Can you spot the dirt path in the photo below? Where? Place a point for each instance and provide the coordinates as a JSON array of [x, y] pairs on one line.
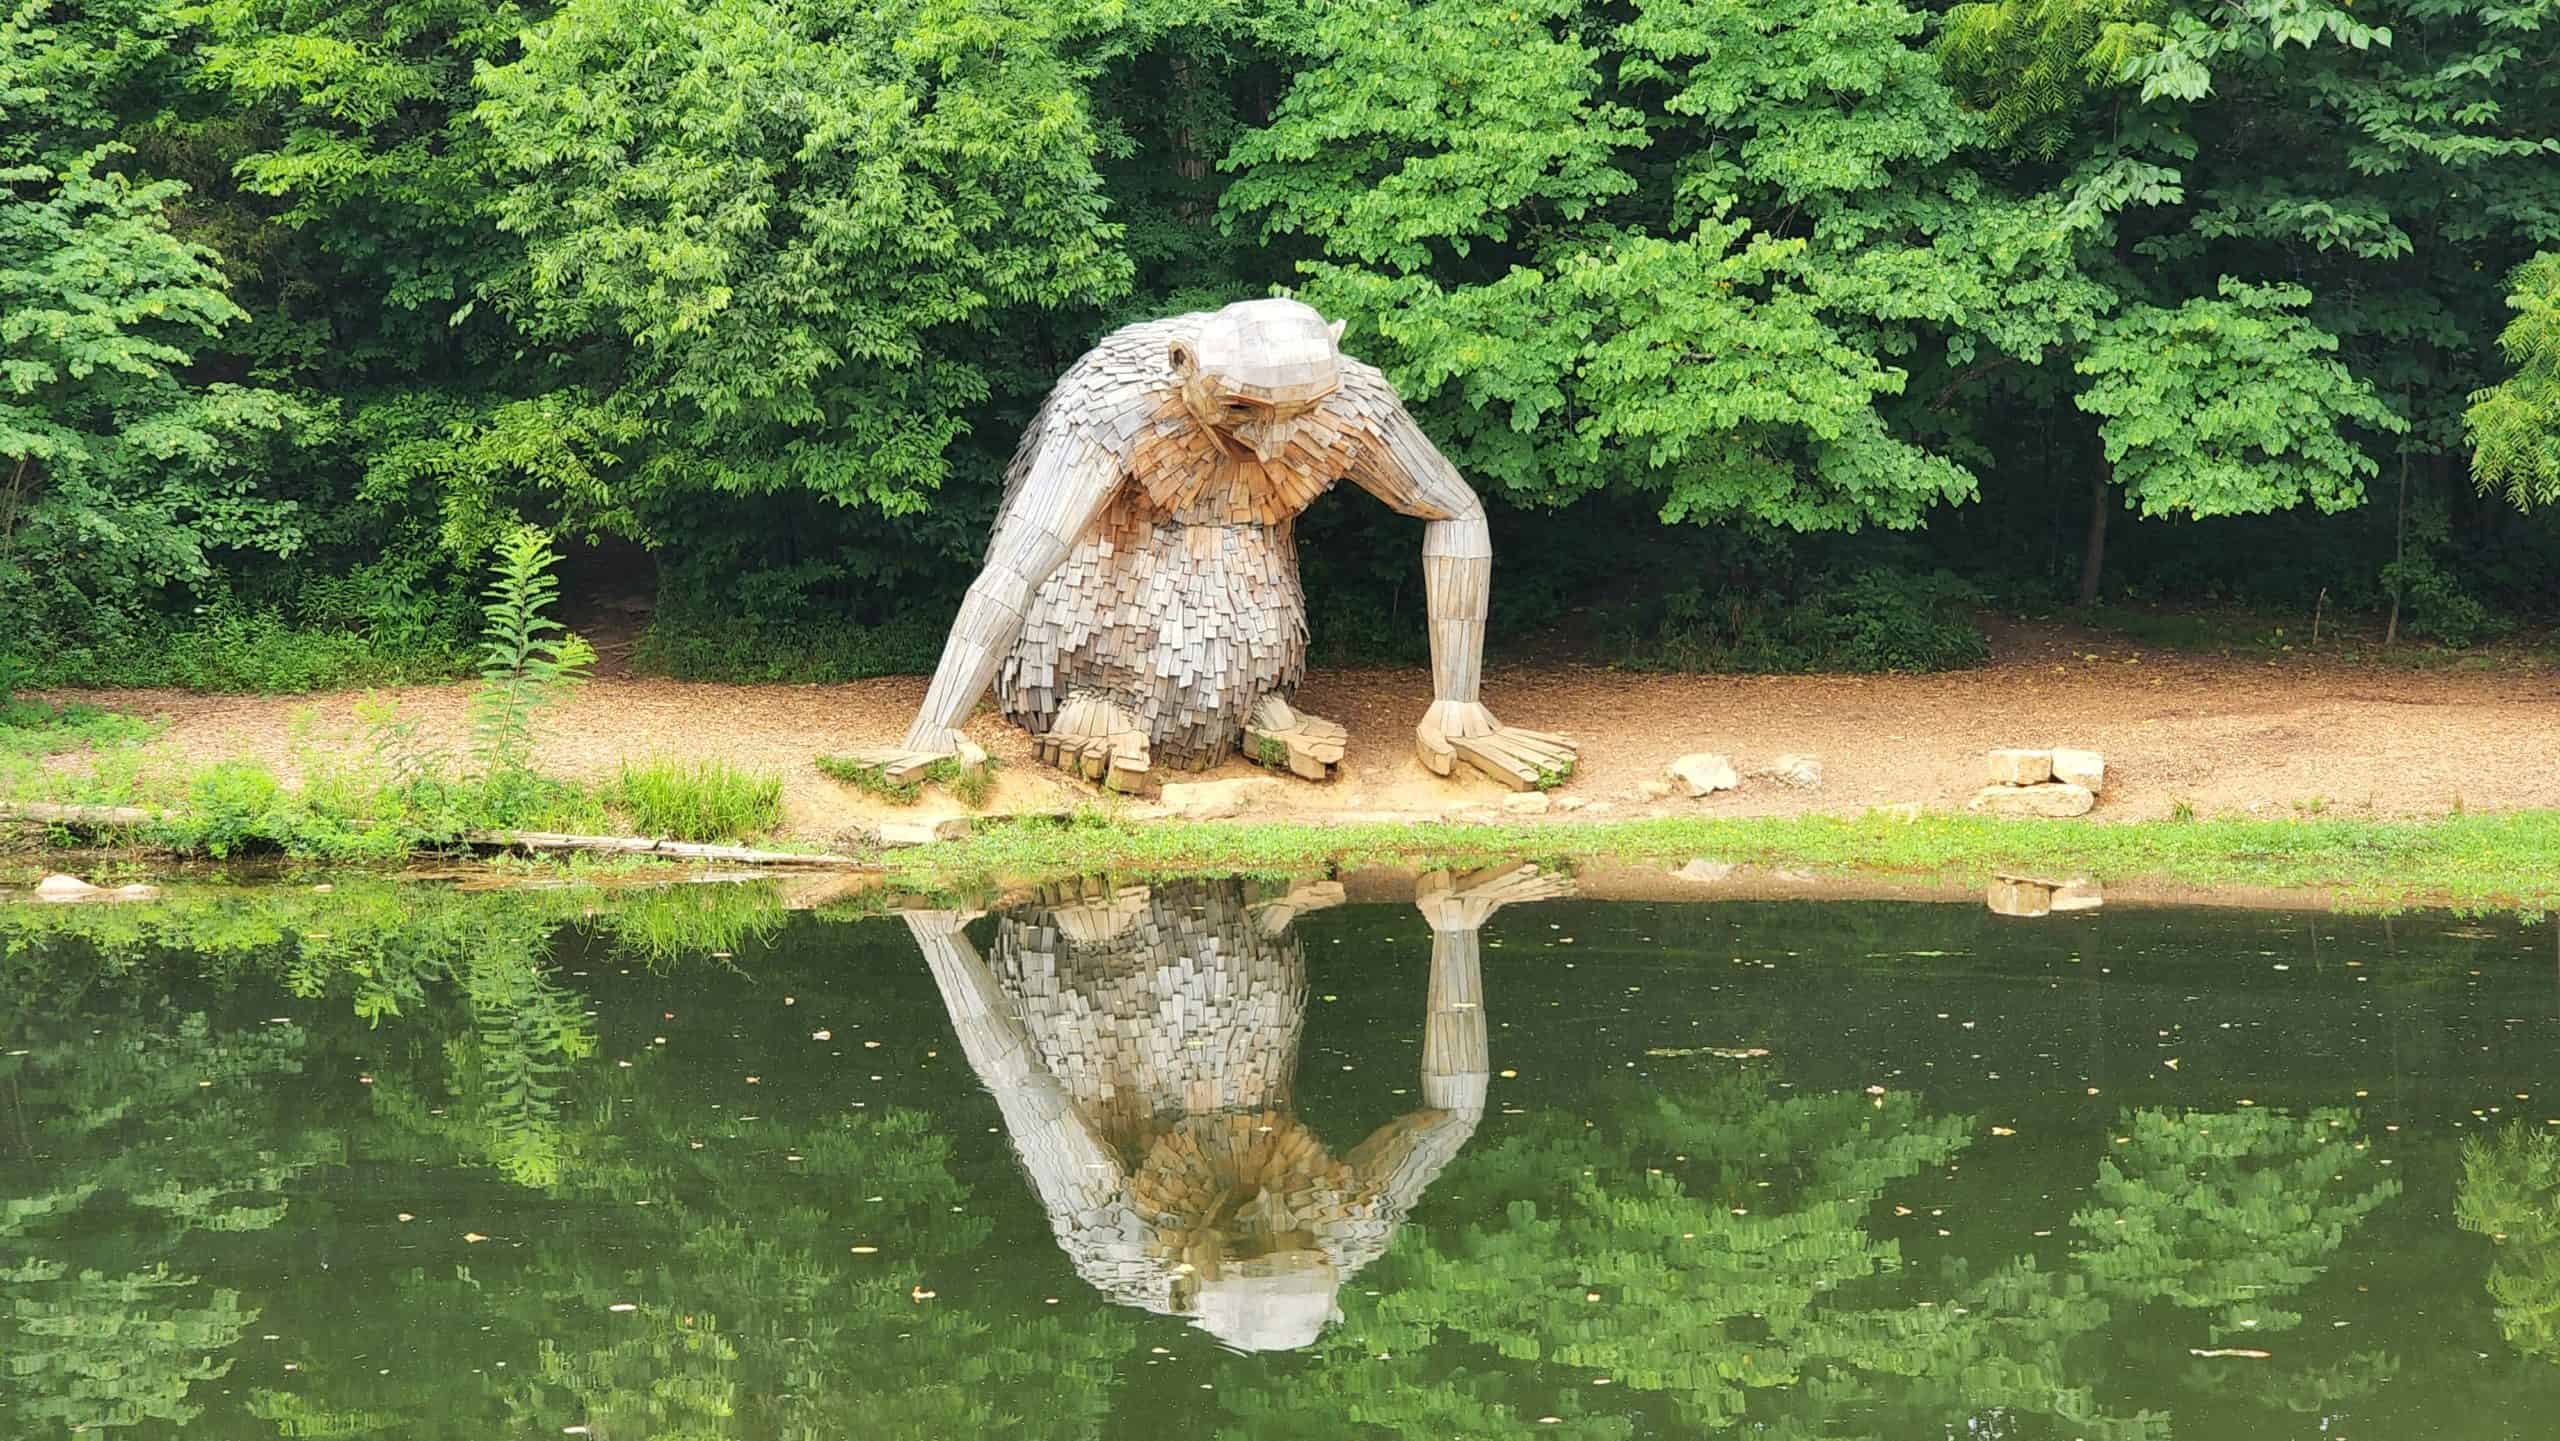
[[2275, 738]]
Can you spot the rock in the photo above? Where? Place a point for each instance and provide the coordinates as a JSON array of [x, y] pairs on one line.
[[59, 887], [1595, 808], [1527, 803], [2010, 897], [1656, 790], [923, 833], [1213, 800], [2020, 767], [1704, 871], [1570, 803], [1700, 773], [1804, 772], [2081, 768], [2082, 895], [2054, 799]]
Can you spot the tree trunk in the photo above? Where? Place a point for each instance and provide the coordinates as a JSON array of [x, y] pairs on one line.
[[2093, 557], [2399, 550]]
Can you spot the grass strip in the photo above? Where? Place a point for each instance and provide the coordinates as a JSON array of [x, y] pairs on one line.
[[2502, 860]]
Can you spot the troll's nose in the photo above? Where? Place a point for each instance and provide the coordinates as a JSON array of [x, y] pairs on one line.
[[1271, 438]]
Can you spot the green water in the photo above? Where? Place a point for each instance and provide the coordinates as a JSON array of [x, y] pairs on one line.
[[406, 1163]]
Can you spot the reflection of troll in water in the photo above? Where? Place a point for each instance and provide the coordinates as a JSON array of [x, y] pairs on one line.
[[1144, 1050]]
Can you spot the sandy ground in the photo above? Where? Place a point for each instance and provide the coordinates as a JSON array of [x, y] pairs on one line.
[[2278, 737]]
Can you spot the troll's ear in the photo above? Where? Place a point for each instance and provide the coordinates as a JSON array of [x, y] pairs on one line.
[[1184, 363], [1336, 328]]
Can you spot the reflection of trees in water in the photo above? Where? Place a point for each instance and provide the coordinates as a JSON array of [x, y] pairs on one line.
[[749, 1316], [1732, 1232], [124, 1147], [2227, 1212], [2511, 1194], [1700, 1256]]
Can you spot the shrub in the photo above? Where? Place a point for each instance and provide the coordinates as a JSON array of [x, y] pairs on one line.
[[699, 800], [234, 650], [689, 647], [1868, 620], [523, 666]]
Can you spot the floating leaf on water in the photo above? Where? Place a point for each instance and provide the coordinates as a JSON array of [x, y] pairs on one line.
[[822, 1035], [2003, 1131], [622, 1306], [408, 1216], [473, 1238], [2229, 1351], [866, 1250]]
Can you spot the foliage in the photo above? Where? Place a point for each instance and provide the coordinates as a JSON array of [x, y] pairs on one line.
[[346, 293], [2515, 424], [2229, 406], [702, 800], [790, 293], [745, 649], [227, 649], [970, 784], [2225, 1211], [2511, 1194], [523, 666], [29, 727], [1873, 620]]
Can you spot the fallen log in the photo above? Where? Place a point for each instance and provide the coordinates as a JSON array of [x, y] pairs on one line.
[[49, 814], [94, 818], [553, 841]]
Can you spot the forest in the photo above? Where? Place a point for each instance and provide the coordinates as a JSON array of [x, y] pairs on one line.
[[1780, 333]]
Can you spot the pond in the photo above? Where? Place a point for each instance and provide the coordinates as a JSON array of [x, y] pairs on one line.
[[1248, 1160]]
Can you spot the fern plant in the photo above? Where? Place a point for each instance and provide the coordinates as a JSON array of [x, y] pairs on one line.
[[527, 660]]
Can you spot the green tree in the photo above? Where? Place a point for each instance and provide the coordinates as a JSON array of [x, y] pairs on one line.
[[2228, 406], [122, 474], [2515, 424], [771, 245]]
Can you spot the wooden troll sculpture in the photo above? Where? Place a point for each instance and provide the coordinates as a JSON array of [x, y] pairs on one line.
[[1143, 1048], [1139, 607]]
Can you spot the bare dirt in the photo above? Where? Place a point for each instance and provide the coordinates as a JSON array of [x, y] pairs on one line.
[[2276, 737]]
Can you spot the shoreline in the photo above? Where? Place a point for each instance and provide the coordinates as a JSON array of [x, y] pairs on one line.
[[2502, 861]]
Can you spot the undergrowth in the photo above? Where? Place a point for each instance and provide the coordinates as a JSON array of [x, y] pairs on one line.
[[232, 650], [35, 728], [731, 649], [1867, 621], [970, 784]]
